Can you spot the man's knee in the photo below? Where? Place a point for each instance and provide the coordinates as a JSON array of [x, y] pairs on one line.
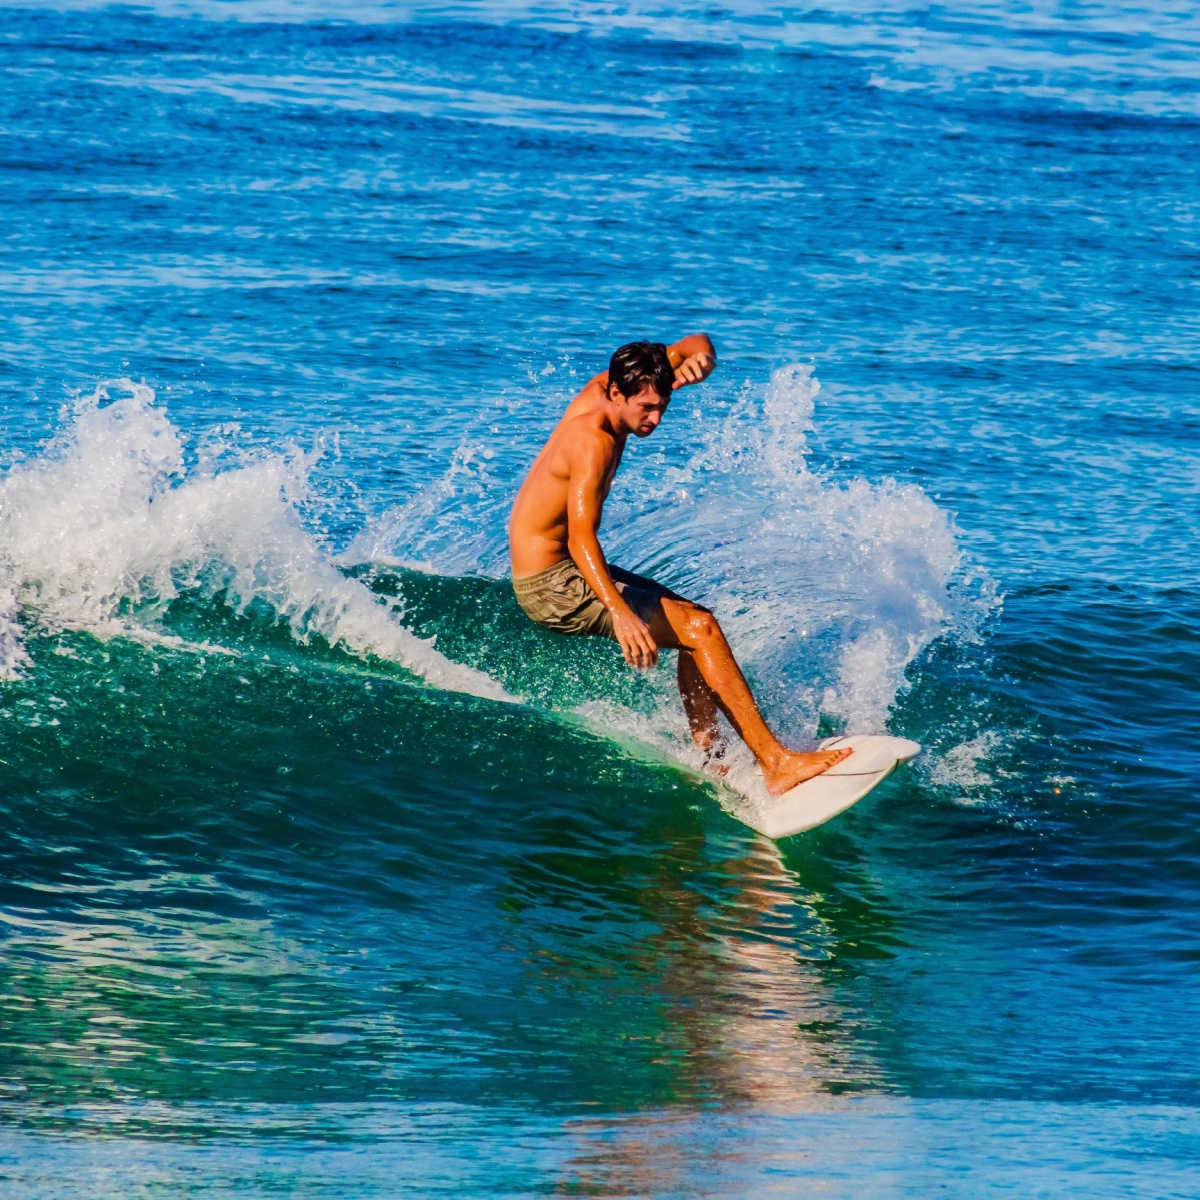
[[694, 624]]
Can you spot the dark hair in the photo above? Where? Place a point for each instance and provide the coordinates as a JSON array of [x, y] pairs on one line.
[[637, 364]]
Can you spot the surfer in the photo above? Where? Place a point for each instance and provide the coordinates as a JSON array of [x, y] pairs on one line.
[[563, 581]]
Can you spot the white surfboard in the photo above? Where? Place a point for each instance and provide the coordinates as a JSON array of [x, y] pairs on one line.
[[874, 757]]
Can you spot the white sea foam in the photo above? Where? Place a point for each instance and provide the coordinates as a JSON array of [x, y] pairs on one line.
[[13, 658], [967, 769], [455, 524], [107, 525]]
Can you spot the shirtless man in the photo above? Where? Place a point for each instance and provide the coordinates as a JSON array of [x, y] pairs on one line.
[[563, 581]]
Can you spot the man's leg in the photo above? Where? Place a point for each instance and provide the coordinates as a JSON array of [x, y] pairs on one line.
[[695, 633], [699, 702]]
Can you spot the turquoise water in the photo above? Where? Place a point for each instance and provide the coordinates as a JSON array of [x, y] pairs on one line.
[[325, 872]]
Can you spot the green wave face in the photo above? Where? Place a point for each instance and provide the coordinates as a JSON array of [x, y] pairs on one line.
[[477, 622], [272, 870]]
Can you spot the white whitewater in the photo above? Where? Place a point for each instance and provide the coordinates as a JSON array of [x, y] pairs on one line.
[[107, 525]]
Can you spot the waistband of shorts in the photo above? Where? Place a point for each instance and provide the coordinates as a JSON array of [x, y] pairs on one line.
[[532, 583]]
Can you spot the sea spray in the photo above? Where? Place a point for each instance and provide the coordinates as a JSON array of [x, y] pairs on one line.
[[13, 657], [454, 525], [828, 587], [107, 526]]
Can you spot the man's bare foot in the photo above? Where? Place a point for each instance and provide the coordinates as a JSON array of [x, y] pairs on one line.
[[792, 768], [713, 748]]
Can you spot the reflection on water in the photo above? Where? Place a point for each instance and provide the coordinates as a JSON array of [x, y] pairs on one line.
[[750, 1027], [329, 926], [722, 984]]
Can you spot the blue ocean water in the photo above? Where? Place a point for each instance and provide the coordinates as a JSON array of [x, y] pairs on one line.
[[325, 873]]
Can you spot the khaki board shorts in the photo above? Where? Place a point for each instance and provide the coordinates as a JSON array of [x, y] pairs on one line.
[[560, 599]]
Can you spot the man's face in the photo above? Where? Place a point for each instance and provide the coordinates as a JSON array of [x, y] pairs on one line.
[[642, 411]]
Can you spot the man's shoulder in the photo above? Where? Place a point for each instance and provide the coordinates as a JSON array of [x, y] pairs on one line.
[[587, 426], [590, 396], [586, 437]]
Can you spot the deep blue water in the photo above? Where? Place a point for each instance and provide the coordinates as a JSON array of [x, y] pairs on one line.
[[325, 872]]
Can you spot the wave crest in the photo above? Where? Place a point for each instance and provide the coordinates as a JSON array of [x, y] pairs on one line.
[[107, 526]]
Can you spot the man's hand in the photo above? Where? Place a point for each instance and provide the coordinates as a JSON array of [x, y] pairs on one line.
[[694, 368], [634, 637]]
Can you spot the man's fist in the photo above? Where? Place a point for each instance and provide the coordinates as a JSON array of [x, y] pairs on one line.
[[693, 369]]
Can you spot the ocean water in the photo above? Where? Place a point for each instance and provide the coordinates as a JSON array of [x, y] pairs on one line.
[[325, 873]]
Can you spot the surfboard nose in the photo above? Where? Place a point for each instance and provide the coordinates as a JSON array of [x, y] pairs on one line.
[[906, 748]]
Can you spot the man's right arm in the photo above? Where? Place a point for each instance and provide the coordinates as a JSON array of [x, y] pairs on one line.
[[692, 358], [590, 456]]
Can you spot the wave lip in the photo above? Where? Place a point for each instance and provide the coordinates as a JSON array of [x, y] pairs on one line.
[[106, 527]]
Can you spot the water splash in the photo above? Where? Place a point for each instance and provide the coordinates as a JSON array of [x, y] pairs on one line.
[[107, 526], [969, 769], [453, 525], [829, 588], [13, 657]]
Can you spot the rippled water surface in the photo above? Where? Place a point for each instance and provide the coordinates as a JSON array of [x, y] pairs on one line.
[[325, 872]]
